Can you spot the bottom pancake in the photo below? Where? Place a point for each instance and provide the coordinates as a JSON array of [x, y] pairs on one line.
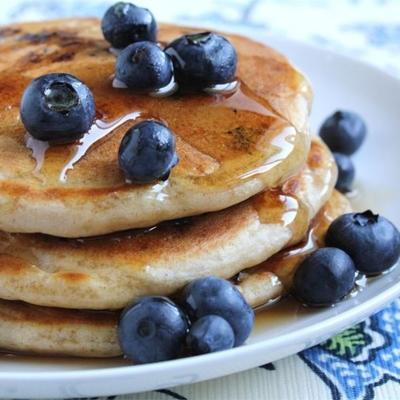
[[55, 331], [26, 328]]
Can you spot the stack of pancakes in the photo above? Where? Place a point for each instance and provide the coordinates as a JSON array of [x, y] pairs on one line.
[[251, 195]]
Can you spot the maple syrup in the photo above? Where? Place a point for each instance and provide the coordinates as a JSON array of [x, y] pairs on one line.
[[234, 135]]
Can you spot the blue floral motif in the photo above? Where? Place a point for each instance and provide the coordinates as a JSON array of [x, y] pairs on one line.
[[365, 357]]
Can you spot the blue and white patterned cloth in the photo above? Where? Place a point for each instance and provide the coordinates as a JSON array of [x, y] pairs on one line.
[[362, 363], [366, 29]]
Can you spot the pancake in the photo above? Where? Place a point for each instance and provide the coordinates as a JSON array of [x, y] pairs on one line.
[[42, 330], [55, 331], [230, 146], [272, 279], [109, 272]]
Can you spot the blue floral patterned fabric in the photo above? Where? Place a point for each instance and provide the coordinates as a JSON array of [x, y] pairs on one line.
[[361, 358], [362, 363]]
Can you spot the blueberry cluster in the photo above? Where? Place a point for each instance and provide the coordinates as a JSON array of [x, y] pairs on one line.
[[344, 132], [364, 243], [212, 315], [59, 108], [199, 61], [358, 243]]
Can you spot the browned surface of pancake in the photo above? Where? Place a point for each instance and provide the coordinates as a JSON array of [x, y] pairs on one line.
[[230, 146], [55, 331]]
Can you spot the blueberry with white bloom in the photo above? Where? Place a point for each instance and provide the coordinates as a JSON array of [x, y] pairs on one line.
[[144, 67]]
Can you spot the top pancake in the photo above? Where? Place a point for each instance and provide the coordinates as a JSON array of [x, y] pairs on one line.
[[230, 147]]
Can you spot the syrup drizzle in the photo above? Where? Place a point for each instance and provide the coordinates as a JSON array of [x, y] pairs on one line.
[[237, 136], [292, 209], [241, 99], [98, 131], [38, 148], [284, 145], [168, 90]]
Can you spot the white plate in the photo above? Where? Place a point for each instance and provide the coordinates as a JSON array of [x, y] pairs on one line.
[[339, 83]]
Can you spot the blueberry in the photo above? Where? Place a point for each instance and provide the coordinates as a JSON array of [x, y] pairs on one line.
[[147, 152], [125, 23], [324, 277], [57, 108], [152, 329], [209, 334], [216, 296], [202, 60], [371, 241], [346, 172], [343, 132], [144, 66]]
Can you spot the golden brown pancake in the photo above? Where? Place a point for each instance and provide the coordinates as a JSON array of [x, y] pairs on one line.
[[42, 330], [230, 146], [273, 278], [109, 272], [56, 331]]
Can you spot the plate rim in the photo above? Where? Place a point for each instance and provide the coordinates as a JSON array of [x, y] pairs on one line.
[[363, 309]]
